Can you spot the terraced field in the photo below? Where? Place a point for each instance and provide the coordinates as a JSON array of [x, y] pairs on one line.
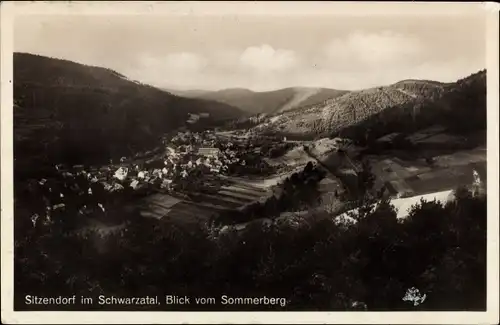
[[232, 196]]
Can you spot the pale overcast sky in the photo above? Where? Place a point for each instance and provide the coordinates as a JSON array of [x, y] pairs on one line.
[[263, 52]]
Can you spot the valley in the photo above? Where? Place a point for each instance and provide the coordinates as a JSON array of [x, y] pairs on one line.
[[129, 169], [186, 185]]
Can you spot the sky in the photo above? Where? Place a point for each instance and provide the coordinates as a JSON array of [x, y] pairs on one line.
[[263, 52]]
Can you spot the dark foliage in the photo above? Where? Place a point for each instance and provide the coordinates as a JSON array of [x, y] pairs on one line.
[[276, 150], [315, 265]]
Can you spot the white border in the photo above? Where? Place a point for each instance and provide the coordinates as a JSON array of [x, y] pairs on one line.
[[10, 9], [259, 8]]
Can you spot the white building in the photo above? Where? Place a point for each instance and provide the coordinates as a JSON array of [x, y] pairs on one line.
[[134, 184], [121, 173]]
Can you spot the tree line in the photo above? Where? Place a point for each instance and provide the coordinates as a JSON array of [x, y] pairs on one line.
[[316, 264]]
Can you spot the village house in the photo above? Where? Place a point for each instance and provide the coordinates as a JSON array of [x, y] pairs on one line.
[[121, 173], [134, 184], [166, 183]]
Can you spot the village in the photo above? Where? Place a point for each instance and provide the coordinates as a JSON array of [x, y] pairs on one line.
[[198, 175], [188, 164]]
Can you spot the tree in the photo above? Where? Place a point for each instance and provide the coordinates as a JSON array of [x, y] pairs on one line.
[[365, 178], [309, 168]]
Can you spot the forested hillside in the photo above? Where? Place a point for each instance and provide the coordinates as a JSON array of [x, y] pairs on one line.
[[406, 104], [460, 107], [69, 112]]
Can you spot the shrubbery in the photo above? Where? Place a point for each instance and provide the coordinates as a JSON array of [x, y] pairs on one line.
[[315, 264], [273, 150]]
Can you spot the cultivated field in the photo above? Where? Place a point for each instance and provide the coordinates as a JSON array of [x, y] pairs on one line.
[[419, 177], [236, 194]]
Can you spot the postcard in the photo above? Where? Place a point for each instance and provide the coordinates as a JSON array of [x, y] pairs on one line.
[[249, 162]]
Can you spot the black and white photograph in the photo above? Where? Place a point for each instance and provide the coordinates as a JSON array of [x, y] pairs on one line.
[[249, 157]]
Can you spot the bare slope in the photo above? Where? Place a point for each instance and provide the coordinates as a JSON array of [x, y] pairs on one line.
[[271, 101]]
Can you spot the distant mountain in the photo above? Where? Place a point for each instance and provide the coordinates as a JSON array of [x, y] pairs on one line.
[[271, 101], [65, 111], [402, 104]]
